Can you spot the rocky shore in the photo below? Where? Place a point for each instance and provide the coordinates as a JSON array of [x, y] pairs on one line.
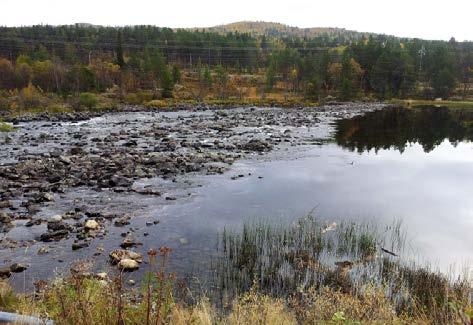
[[49, 155]]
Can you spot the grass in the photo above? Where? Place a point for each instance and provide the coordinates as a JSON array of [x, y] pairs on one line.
[[419, 103], [305, 273], [5, 127]]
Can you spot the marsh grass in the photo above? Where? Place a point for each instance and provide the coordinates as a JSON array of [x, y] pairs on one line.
[[350, 258], [308, 272]]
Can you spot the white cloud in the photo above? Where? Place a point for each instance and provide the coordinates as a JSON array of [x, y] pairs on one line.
[[413, 18]]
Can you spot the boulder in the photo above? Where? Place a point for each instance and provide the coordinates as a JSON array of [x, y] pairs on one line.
[[91, 224], [18, 267], [119, 254], [128, 264]]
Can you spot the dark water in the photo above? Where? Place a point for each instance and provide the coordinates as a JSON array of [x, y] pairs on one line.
[[395, 164]]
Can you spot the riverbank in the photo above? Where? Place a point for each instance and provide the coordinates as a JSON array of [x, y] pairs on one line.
[[418, 103]]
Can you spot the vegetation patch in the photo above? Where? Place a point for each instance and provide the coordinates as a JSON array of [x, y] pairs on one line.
[[5, 127], [306, 273]]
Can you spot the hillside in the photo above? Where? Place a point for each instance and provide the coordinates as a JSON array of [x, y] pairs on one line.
[[281, 30]]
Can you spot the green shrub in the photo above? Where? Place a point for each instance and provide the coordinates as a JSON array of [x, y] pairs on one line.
[[4, 127], [88, 100]]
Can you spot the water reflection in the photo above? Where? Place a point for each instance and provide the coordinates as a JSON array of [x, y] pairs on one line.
[[397, 127]]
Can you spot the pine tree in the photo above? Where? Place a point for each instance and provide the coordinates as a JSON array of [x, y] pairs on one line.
[[119, 50]]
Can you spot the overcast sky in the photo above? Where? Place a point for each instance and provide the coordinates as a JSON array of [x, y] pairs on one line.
[[431, 19]]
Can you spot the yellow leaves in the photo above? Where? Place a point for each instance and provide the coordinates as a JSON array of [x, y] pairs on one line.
[[356, 67], [334, 70]]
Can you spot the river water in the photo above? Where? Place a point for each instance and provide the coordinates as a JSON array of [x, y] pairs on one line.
[[413, 166]]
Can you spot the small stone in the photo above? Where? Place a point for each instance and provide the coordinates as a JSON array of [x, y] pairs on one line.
[[123, 221], [18, 267], [43, 250], [183, 241], [48, 197], [56, 218], [33, 222], [76, 246], [91, 225], [128, 242], [127, 264], [101, 275], [131, 282], [117, 255]]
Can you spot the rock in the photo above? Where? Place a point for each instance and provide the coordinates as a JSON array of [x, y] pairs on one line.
[[131, 282], [43, 250], [65, 160], [128, 242], [183, 241], [5, 222], [79, 245], [55, 218], [257, 145], [101, 276], [117, 255], [4, 218], [5, 204], [5, 272], [48, 197], [76, 151], [54, 235], [91, 225], [55, 226], [33, 222], [18, 267], [127, 264], [119, 181], [122, 221], [43, 197]]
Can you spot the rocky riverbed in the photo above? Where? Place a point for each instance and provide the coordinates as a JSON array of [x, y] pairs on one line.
[[75, 187]]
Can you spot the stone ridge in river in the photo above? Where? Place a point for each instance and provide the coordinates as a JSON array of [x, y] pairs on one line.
[[44, 159]]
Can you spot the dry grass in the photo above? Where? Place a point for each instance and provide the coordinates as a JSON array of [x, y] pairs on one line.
[[391, 293]]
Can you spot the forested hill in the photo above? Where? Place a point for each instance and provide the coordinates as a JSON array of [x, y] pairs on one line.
[[243, 60], [270, 29]]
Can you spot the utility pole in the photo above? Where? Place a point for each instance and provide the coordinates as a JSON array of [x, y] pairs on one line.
[[421, 54]]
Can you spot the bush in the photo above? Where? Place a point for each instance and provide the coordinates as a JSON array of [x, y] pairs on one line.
[[30, 97], [88, 100], [4, 127]]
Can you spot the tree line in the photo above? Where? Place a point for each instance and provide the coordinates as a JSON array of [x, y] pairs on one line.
[[84, 58]]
